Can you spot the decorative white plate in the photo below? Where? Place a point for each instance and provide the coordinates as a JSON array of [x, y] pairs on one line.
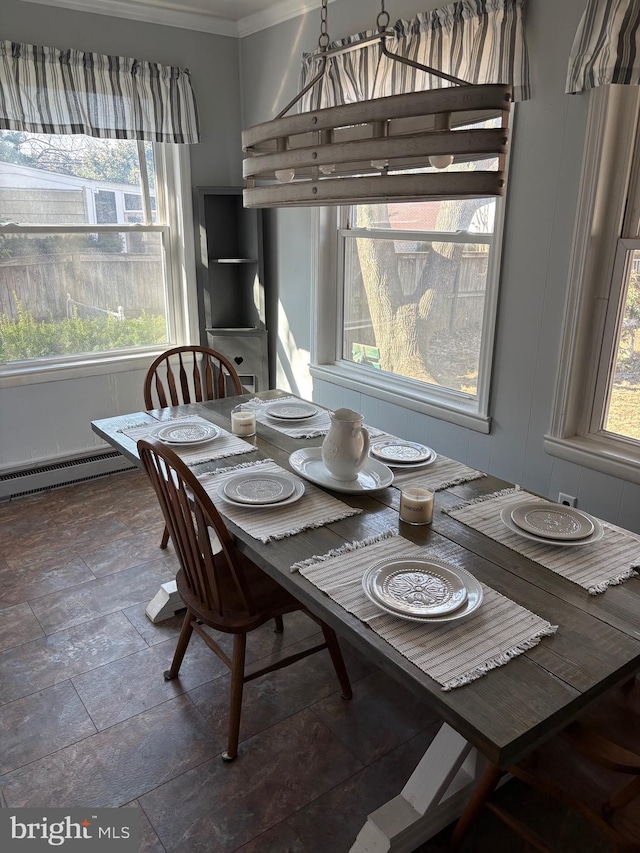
[[291, 411], [397, 451], [373, 477], [552, 521], [415, 587], [298, 492], [598, 533], [472, 602], [258, 488], [184, 434]]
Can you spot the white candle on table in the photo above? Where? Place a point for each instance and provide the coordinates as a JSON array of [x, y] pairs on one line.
[[416, 505], [243, 422]]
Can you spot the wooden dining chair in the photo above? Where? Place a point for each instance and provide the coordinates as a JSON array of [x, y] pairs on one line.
[[592, 767], [221, 587], [191, 374]]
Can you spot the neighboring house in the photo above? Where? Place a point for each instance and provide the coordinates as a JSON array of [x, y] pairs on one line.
[[35, 196]]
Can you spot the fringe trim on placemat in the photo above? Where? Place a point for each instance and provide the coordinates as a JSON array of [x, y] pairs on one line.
[[618, 579], [500, 660], [135, 426], [344, 549], [311, 525], [459, 481], [481, 499], [234, 467]]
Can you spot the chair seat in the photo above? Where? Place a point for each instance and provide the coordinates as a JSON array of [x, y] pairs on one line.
[[269, 598]]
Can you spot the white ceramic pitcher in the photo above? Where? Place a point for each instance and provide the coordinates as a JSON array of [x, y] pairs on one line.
[[346, 445]]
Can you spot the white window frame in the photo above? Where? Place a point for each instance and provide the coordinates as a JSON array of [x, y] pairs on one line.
[[326, 344], [596, 282], [173, 173]]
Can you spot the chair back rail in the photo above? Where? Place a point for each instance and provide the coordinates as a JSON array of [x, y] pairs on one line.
[[189, 371]]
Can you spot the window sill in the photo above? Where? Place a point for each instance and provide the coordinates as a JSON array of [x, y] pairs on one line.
[[86, 366], [460, 411], [609, 457]]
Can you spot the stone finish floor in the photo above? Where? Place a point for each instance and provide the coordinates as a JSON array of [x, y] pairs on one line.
[[86, 718]]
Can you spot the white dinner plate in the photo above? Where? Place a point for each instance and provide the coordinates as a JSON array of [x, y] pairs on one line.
[[598, 533], [552, 521], [472, 602], [186, 434], [373, 477], [291, 411], [257, 488], [415, 587], [298, 492], [397, 451]]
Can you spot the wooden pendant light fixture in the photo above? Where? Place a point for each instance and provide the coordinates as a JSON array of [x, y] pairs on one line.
[[369, 152]]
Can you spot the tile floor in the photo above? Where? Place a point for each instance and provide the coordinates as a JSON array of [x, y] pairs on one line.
[[86, 718]]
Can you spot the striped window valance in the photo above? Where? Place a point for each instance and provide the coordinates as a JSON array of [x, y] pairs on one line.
[[479, 41], [606, 48], [45, 90]]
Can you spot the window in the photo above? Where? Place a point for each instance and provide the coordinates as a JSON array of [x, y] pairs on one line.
[[85, 272], [596, 420], [415, 304]]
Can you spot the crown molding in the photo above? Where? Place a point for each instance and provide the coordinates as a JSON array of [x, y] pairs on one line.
[[171, 15], [276, 14]]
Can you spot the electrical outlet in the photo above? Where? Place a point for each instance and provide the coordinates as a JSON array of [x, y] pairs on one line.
[[567, 500]]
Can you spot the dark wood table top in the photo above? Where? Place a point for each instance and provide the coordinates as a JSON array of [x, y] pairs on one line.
[[511, 709]]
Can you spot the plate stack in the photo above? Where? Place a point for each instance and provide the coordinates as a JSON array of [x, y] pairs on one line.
[[261, 490], [294, 411], [401, 454], [552, 524], [422, 590], [186, 434]]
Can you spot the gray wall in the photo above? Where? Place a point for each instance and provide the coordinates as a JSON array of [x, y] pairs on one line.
[[543, 186], [51, 420]]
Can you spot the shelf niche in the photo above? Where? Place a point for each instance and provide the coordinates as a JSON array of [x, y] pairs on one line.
[[231, 281]]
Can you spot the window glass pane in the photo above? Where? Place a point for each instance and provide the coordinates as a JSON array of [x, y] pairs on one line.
[[68, 294], [68, 180], [623, 411], [414, 308]]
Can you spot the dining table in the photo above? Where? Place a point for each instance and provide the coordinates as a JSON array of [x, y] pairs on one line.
[[583, 637]]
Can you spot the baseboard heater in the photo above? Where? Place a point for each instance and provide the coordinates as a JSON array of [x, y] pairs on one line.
[[29, 481]]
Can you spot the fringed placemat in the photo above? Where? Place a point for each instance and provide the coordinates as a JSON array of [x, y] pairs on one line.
[[442, 474], [452, 653], [314, 509], [595, 566], [224, 445], [312, 427]]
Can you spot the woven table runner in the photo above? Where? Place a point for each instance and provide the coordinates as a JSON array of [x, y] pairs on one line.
[[314, 509], [452, 653], [442, 474], [594, 566], [312, 427], [224, 445]]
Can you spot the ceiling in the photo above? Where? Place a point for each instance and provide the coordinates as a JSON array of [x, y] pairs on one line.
[[224, 17]]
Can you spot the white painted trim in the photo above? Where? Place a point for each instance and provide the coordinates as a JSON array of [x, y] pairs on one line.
[[276, 14], [574, 434], [387, 387], [608, 457], [172, 15], [76, 369], [150, 14]]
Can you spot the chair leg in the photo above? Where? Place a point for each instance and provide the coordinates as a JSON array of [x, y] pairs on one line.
[[165, 538], [338, 661], [279, 625], [183, 641], [235, 696], [481, 794]]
